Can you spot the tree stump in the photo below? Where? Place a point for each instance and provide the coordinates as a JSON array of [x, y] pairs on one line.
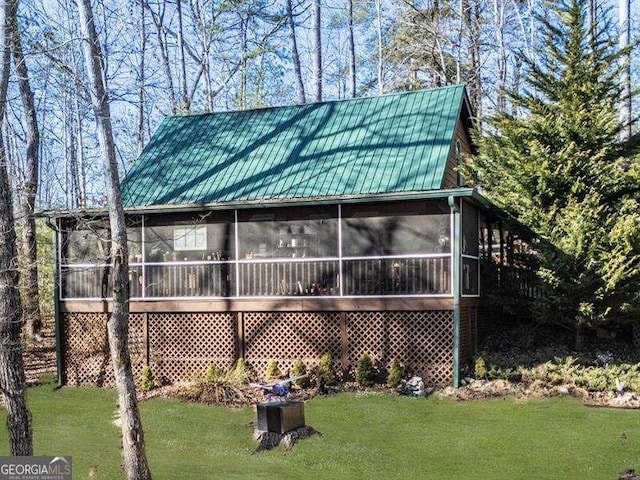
[[270, 440]]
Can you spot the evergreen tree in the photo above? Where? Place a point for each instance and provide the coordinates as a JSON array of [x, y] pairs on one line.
[[560, 168]]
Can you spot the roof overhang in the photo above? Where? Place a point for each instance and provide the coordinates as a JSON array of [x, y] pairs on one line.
[[303, 202], [469, 193], [494, 212]]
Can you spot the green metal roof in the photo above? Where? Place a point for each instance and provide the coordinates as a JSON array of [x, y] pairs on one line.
[[361, 147]]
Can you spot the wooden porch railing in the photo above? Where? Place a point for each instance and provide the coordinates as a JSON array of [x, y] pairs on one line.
[[193, 279], [92, 281], [397, 276], [308, 277]]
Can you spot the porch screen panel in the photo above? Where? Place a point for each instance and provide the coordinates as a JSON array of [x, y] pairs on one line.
[[86, 245], [403, 230], [471, 239], [188, 240], [396, 248], [469, 276], [285, 252], [85, 258], [189, 256], [470, 230]]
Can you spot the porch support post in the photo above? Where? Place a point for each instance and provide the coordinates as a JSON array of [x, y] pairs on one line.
[[56, 303], [344, 342], [240, 340], [145, 339], [455, 285]]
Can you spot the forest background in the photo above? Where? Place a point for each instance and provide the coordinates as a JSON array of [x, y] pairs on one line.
[[163, 57]]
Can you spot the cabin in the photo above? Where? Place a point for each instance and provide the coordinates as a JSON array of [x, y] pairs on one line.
[[286, 233]]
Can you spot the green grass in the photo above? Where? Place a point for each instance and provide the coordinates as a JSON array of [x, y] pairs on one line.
[[364, 437]]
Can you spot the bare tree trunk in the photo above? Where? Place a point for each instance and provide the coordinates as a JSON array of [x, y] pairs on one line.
[[141, 73], [31, 298], [517, 73], [352, 52], [158, 21], [244, 52], [593, 6], [295, 54], [186, 101], [204, 35], [498, 11], [71, 148], [12, 381], [624, 6], [461, 25], [379, 36], [81, 172], [135, 460], [317, 50], [472, 15]]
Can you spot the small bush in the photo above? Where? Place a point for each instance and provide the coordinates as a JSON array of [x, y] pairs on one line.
[[365, 371], [146, 379], [239, 374], [480, 368], [396, 372], [325, 373], [299, 368], [213, 373], [272, 371]]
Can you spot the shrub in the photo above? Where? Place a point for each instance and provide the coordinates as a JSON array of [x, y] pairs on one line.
[[272, 371], [365, 371], [325, 373], [213, 373], [146, 379], [396, 372], [239, 374], [220, 387], [480, 368], [299, 368]]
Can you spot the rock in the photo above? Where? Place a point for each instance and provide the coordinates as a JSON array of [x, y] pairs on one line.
[[413, 387], [625, 400], [603, 359], [629, 474]]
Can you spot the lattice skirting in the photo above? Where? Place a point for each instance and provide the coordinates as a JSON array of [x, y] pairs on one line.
[[288, 336], [468, 335], [421, 341], [86, 355], [181, 345]]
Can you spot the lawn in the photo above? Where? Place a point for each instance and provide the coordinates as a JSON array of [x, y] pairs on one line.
[[364, 437]]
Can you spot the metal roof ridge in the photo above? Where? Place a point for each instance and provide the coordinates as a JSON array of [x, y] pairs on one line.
[[316, 104]]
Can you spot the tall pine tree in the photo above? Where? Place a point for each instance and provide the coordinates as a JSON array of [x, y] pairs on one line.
[[560, 168]]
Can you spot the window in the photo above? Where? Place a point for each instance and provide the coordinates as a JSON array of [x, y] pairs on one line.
[[190, 238]]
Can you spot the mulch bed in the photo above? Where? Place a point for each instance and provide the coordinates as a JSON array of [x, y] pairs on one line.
[[485, 389]]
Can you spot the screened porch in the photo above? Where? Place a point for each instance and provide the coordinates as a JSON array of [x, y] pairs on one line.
[[349, 250]]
